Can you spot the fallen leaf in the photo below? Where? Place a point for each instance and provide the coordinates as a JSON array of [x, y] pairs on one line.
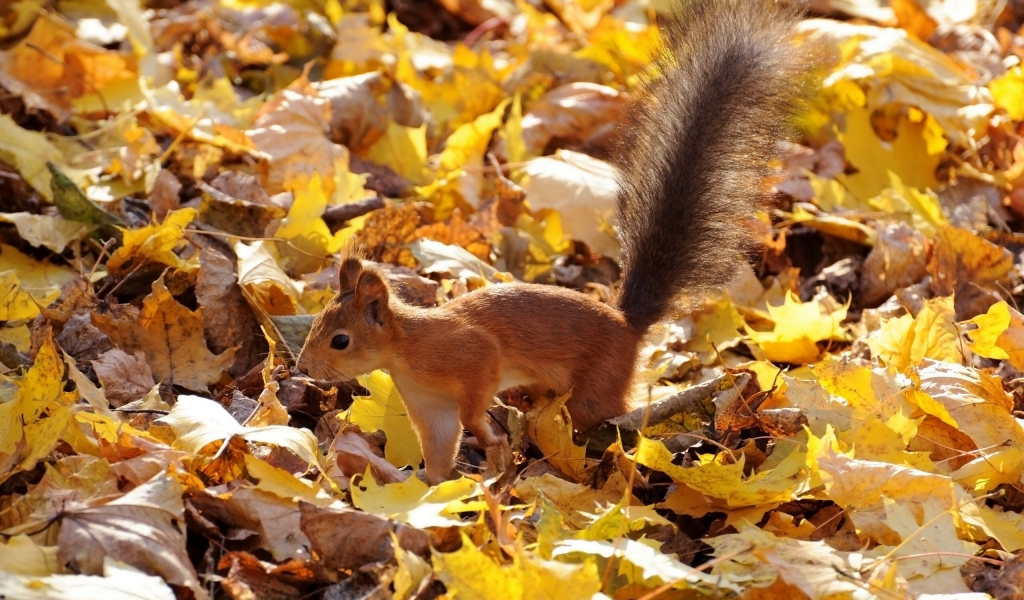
[[154, 242], [999, 334], [171, 337], [798, 328], [415, 503], [198, 422], [331, 530], [906, 341], [140, 528], [44, 231], [384, 410], [117, 583], [473, 575], [124, 377], [549, 426]]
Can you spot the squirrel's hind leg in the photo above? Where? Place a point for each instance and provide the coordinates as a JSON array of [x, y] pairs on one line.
[[473, 412], [598, 396]]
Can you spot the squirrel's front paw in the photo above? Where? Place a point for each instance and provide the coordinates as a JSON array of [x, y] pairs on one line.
[[432, 480]]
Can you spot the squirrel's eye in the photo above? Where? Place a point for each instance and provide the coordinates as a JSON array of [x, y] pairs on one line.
[[339, 342]]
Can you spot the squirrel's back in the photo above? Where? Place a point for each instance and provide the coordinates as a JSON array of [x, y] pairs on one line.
[[696, 152]]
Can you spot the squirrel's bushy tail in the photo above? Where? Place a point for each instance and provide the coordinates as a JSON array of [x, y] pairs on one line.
[[695, 154]]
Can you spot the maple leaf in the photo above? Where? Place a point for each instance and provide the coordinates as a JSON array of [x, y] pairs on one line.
[[473, 575], [549, 426], [198, 422], [906, 341], [139, 528], [384, 410], [781, 484], [154, 242], [171, 337], [414, 502], [45, 231], [798, 328], [32, 422], [999, 334]]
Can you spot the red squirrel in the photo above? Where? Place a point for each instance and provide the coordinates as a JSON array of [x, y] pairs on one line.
[[693, 157]]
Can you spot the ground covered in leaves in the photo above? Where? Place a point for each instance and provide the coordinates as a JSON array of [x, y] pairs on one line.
[[176, 178]]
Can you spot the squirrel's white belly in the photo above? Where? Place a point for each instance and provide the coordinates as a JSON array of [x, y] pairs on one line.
[[511, 378]]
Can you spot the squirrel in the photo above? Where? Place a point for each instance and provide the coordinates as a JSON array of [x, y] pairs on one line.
[[694, 154]]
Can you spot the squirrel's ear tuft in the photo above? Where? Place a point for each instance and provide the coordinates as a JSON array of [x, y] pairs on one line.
[[348, 273], [372, 294]]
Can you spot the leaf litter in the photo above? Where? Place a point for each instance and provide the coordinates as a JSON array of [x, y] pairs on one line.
[[845, 420]]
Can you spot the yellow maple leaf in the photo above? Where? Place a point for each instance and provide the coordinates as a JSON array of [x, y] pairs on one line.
[[154, 242], [414, 502], [920, 209], [404, 149], [384, 410], [473, 575], [999, 334], [905, 341], [886, 441], [32, 422], [41, 279], [445, 95], [907, 156], [15, 303], [283, 484], [549, 426], [461, 162], [798, 328], [310, 240], [727, 481]]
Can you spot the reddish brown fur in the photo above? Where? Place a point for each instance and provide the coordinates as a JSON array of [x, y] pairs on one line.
[[449, 362]]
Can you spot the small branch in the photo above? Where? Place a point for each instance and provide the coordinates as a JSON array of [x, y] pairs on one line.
[[336, 216]]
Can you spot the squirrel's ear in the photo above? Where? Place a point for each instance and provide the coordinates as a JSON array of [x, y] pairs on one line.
[[372, 294], [348, 273]]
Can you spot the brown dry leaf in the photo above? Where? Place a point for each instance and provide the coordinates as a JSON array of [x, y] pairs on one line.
[[897, 260], [363, 105], [294, 137], [241, 216], [961, 260], [228, 321], [330, 531], [351, 453], [248, 577], [143, 528], [271, 520], [581, 114], [171, 336], [124, 377]]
